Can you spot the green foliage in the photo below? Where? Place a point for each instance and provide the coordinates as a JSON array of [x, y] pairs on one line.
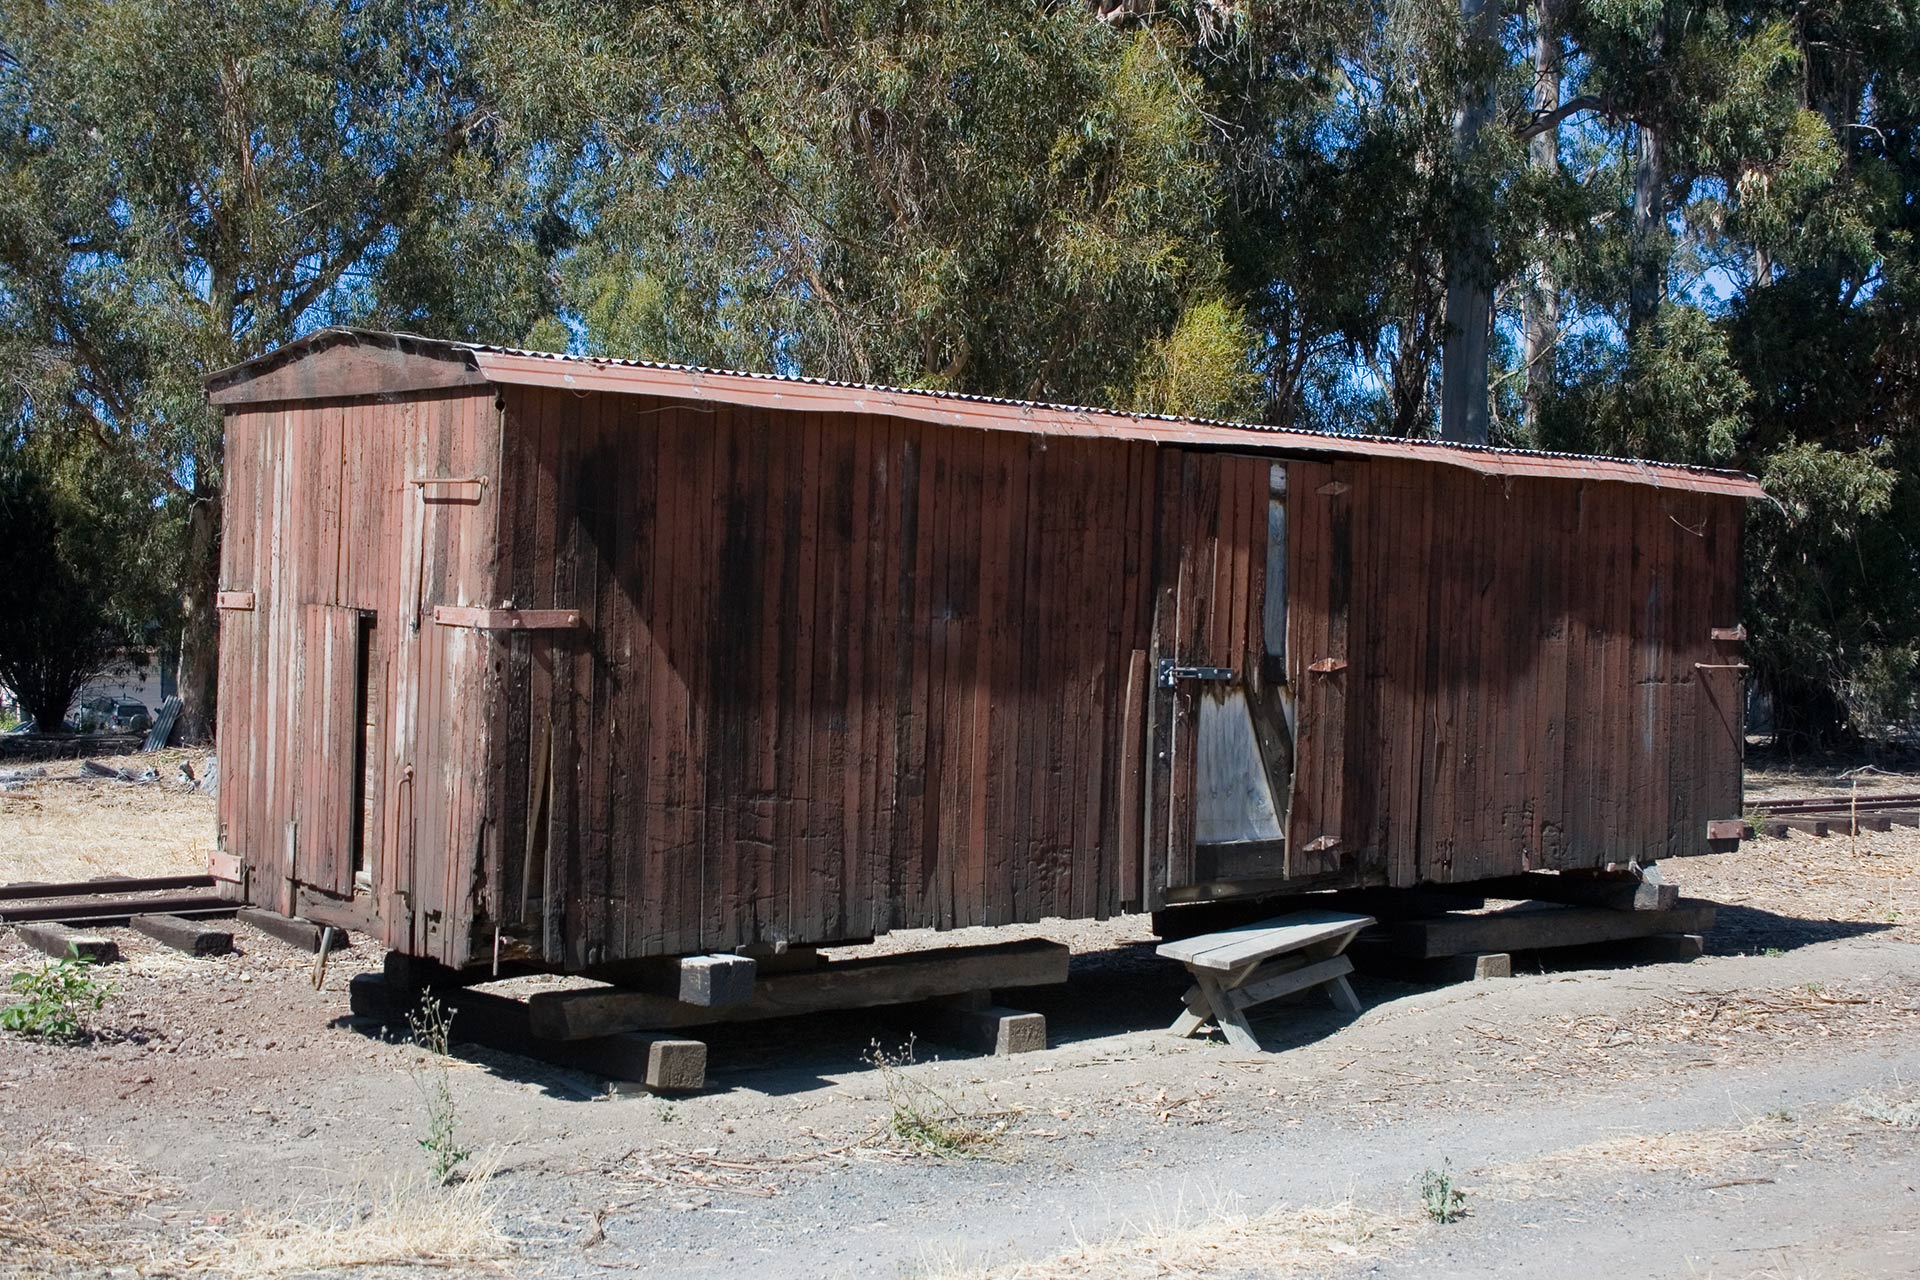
[[184, 188], [1444, 1202], [55, 999], [53, 607], [1251, 210], [1673, 393], [1205, 368], [431, 1024], [1000, 198], [922, 1116]]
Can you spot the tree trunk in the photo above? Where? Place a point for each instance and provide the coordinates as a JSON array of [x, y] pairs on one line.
[[199, 669], [1648, 249], [1541, 322], [1469, 311], [1649, 257]]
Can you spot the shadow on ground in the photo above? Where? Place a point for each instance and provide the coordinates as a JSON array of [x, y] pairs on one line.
[[1112, 992]]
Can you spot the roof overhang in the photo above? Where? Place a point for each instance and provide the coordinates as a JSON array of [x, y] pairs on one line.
[[344, 362]]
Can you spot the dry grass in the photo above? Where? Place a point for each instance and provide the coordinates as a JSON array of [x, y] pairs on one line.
[[1896, 1107], [1217, 1241], [1727, 1155], [407, 1224], [66, 826], [62, 1211]]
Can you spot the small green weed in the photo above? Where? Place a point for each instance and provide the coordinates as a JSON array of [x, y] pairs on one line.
[[921, 1116], [1773, 953], [55, 999], [431, 1023], [1443, 1201]]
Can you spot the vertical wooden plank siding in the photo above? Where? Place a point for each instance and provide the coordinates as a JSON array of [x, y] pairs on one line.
[[840, 675], [1530, 648]]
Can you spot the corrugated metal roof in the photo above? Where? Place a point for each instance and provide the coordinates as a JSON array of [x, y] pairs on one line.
[[949, 408]]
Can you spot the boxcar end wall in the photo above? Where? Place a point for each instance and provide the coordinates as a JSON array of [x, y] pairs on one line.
[[592, 676]]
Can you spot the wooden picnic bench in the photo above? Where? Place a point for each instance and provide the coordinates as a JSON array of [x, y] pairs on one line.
[[1235, 969]]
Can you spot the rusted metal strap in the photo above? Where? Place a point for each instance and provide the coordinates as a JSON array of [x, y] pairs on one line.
[[449, 615], [238, 601]]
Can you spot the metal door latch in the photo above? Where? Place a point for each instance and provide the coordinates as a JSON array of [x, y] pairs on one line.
[[1169, 672]]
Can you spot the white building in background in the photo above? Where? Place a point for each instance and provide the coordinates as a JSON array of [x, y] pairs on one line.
[[128, 689], [131, 676]]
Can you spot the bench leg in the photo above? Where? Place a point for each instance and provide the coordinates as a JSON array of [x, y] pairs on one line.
[[1195, 1016], [1341, 992], [1232, 1021]]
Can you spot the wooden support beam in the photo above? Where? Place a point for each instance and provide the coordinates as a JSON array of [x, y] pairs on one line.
[[842, 984], [190, 936], [63, 943], [664, 1064], [1534, 927], [1622, 891], [292, 930]]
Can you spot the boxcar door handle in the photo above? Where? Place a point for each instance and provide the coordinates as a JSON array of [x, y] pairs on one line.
[[1170, 672]]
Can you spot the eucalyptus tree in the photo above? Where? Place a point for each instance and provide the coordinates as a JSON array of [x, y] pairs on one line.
[[998, 197], [182, 187]]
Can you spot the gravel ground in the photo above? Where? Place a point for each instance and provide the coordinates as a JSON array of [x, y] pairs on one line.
[[1752, 1113]]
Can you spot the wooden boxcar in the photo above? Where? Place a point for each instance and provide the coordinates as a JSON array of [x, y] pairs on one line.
[[581, 661]]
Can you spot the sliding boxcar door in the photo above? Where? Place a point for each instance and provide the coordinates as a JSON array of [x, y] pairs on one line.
[[1320, 581], [1219, 756]]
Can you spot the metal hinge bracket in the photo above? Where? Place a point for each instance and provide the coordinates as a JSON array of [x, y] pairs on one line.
[[1170, 672]]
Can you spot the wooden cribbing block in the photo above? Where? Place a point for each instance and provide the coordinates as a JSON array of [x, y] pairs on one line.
[[1534, 927], [371, 995], [1621, 892], [840, 984], [61, 942], [664, 1064], [1812, 826], [714, 981], [1475, 966], [977, 1025], [190, 936], [292, 930]]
